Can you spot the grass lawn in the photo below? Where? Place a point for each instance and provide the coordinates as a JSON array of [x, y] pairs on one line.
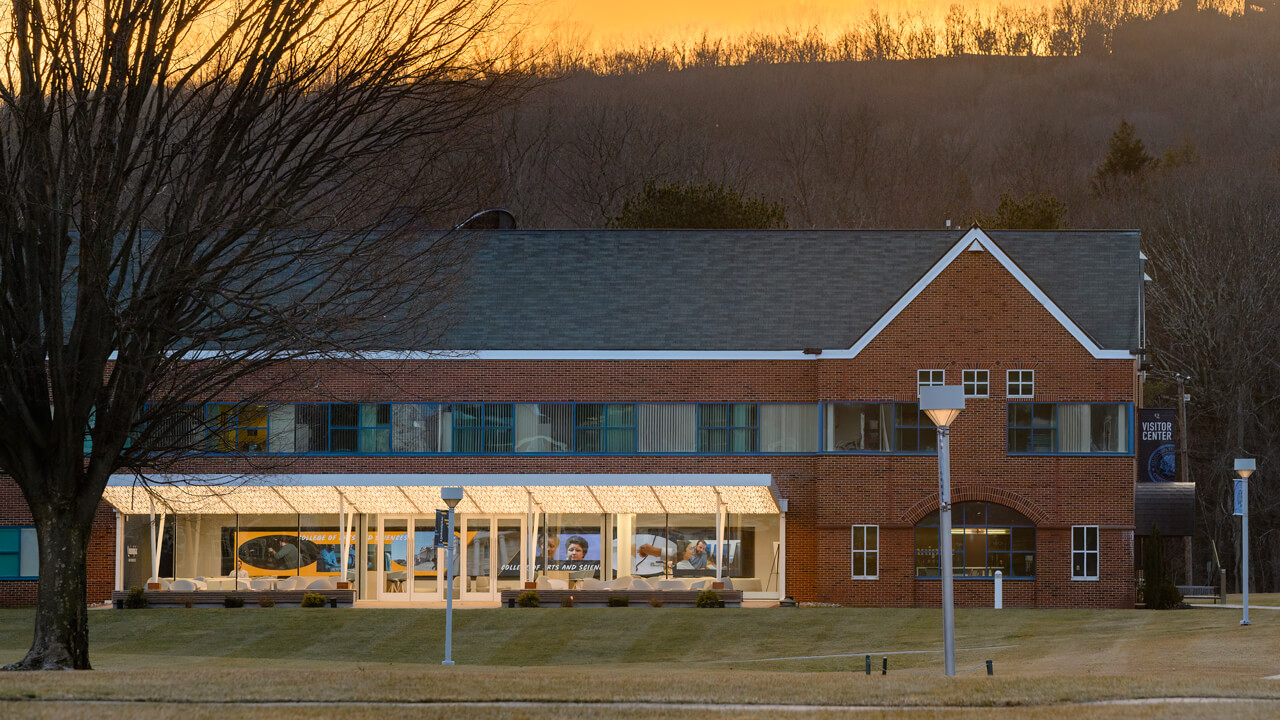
[[224, 663]]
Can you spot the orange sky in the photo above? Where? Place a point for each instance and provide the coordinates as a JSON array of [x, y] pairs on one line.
[[610, 22]]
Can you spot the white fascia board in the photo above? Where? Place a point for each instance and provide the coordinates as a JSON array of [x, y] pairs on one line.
[[525, 355], [449, 479], [975, 236]]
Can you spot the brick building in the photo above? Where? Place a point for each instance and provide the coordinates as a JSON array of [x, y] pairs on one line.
[[688, 405]]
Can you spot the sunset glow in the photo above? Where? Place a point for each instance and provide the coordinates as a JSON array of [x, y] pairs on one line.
[[606, 24]]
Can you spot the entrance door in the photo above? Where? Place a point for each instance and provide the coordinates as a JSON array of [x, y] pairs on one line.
[[407, 567], [491, 555]]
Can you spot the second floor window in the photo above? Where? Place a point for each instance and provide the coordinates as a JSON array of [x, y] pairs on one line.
[[977, 383]]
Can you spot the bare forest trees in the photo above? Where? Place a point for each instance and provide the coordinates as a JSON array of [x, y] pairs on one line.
[[193, 191]]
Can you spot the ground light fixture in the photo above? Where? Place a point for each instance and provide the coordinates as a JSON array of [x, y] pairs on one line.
[[451, 496], [1244, 468], [943, 403]]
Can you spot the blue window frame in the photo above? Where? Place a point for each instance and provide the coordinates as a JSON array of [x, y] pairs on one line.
[[985, 537], [236, 428], [728, 427], [1070, 428], [19, 553], [483, 428], [605, 427], [879, 428], [360, 428]]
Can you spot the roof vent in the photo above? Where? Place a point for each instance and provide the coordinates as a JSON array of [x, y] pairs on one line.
[[491, 219]]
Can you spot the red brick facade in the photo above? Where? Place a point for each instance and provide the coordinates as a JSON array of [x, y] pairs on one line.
[[102, 550], [973, 315]]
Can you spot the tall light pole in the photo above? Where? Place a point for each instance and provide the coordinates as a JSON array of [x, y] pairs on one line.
[[451, 496], [1244, 468], [942, 404]]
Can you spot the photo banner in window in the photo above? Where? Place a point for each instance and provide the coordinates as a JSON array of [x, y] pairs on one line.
[[575, 550], [1157, 449], [319, 552], [687, 552]]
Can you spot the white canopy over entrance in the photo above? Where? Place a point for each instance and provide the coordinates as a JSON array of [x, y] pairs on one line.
[[420, 493]]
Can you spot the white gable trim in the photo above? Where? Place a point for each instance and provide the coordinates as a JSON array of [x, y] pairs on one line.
[[973, 239]]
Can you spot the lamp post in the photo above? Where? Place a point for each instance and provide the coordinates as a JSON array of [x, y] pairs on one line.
[[451, 496], [942, 403], [1244, 468]]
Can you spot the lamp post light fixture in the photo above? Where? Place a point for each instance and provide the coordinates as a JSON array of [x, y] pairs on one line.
[[1244, 468], [942, 403], [451, 496]]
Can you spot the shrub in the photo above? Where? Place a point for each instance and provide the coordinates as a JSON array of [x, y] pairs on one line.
[[566, 601], [708, 599], [233, 602], [528, 598], [618, 601], [655, 601], [1158, 591], [266, 602], [313, 600], [136, 599]]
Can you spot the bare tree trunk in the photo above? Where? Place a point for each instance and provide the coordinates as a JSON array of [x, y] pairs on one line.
[[62, 619]]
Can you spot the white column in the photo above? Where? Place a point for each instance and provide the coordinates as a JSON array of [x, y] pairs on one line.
[[720, 550], [119, 551], [626, 547], [343, 541], [782, 550], [526, 566]]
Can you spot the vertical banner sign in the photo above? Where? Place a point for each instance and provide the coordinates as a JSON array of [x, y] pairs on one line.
[[1157, 449], [1239, 493], [442, 528]]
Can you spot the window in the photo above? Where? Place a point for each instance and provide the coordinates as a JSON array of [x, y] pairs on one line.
[[19, 553], [913, 431], [1022, 384], [1069, 428], [483, 427], [879, 427], [985, 537], [929, 378], [605, 427], [866, 552], [544, 428], [789, 427], [727, 427], [667, 427], [237, 428], [977, 383], [1084, 552], [360, 428], [420, 427]]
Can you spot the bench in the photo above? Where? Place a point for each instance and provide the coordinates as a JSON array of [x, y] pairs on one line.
[[1201, 592], [600, 598], [217, 598]]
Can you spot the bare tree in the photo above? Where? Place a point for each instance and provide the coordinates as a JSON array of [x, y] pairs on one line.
[[195, 190]]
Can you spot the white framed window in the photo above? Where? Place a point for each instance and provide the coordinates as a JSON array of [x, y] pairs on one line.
[[1022, 384], [929, 378], [866, 552], [1084, 552], [977, 383]]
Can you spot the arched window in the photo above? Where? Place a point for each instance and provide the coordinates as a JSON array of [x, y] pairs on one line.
[[985, 537]]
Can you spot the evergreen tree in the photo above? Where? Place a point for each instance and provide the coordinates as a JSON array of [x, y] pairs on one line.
[[1040, 211], [708, 206], [1127, 158]]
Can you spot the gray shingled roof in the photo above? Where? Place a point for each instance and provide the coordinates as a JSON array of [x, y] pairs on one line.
[[754, 290]]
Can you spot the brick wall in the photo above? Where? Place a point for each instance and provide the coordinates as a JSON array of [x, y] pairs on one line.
[[974, 315], [102, 549]]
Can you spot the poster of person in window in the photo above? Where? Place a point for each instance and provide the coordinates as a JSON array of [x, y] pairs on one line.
[[685, 552], [575, 550]]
